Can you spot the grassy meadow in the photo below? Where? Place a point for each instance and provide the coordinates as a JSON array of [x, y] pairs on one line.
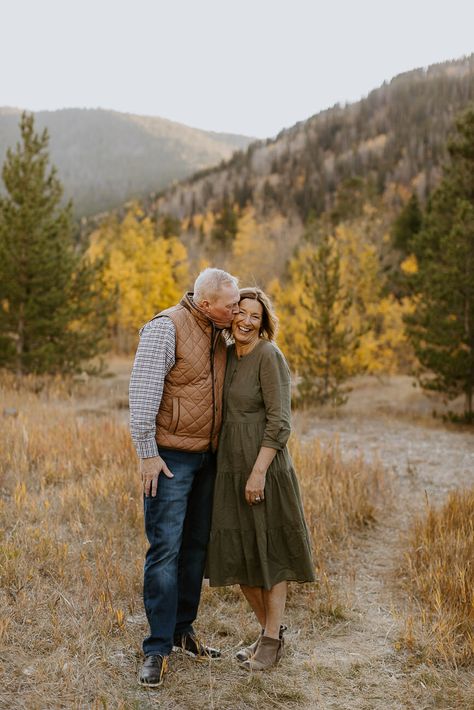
[[71, 554], [438, 571]]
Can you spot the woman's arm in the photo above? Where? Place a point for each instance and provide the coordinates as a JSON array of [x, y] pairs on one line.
[[275, 385], [255, 487]]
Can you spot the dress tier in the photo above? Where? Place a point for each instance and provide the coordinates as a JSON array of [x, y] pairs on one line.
[[267, 543]]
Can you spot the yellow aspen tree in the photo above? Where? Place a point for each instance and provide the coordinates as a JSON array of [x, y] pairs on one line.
[[385, 348], [253, 251], [376, 318], [145, 272], [383, 343], [360, 274], [289, 298]]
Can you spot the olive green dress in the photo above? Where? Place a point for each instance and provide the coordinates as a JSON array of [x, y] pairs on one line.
[[267, 543]]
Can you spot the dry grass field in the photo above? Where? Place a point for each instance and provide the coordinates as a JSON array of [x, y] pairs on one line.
[[72, 545], [439, 571]]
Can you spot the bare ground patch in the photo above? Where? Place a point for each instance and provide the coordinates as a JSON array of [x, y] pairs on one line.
[[362, 665]]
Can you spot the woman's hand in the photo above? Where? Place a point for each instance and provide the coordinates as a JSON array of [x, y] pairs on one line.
[[255, 487]]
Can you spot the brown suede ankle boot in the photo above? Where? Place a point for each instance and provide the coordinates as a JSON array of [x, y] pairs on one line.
[[247, 652], [268, 653]]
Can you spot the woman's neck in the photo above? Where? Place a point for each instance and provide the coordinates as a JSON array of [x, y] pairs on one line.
[[245, 349]]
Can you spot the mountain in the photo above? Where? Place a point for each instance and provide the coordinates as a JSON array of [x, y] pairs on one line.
[[105, 157], [396, 136], [309, 216]]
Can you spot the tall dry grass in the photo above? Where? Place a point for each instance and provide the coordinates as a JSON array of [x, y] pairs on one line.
[[71, 552], [438, 568], [341, 495]]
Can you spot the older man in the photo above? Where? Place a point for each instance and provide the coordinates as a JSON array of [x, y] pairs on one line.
[[175, 416]]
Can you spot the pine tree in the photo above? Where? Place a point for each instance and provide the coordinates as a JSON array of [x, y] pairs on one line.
[[51, 311], [407, 225], [226, 225], [330, 341], [403, 232], [442, 327]]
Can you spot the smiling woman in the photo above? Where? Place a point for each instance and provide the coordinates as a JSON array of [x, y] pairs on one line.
[[246, 326], [254, 304], [259, 537]]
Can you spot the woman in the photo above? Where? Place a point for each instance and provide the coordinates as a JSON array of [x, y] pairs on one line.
[[259, 537]]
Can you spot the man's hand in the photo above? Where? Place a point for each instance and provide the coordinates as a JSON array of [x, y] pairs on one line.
[[150, 469]]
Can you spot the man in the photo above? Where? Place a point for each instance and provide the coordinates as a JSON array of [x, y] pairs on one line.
[[175, 415]]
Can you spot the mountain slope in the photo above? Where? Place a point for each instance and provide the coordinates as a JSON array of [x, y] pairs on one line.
[[105, 157], [394, 136]]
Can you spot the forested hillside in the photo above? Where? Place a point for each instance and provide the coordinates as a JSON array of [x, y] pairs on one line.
[[322, 217], [105, 158], [394, 136]]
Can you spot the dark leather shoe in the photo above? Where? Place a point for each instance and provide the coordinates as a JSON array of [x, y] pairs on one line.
[[153, 671], [192, 646]]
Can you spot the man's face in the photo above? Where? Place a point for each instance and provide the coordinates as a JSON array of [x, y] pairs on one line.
[[224, 306]]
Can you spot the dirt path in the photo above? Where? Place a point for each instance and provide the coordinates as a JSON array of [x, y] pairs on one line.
[[356, 663]]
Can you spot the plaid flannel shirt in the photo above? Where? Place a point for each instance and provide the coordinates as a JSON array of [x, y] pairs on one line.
[[154, 359]]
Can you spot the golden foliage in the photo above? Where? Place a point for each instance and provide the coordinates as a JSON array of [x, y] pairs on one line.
[[147, 273], [385, 347], [409, 265], [203, 222], [293, 317], [253, 251], [378, 319]]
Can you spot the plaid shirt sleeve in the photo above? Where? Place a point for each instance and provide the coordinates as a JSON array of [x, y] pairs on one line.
[[154, 359]]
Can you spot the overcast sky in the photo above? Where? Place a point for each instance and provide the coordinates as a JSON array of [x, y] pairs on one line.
[[241, 66]]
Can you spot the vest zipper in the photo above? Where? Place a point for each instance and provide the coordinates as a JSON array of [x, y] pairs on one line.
[[214, 336]]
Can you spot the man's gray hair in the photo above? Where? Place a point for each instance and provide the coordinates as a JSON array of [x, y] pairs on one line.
[[209, 283]]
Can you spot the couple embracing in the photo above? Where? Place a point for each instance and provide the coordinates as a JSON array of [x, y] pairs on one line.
[[210, 419]]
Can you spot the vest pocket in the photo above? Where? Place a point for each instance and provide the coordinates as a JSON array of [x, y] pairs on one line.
[[175, 415]]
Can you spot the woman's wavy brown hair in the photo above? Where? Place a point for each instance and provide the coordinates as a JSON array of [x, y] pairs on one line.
[[269, 326]]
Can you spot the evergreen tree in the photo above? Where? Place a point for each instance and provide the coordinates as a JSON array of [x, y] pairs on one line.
[[51, 311], [442, 327], [407, 225], [226, 225], [351, 195], [330, 341], [168, 226], [403, 232]]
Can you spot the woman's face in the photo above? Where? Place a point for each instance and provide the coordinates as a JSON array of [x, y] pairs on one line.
[[248, 321]]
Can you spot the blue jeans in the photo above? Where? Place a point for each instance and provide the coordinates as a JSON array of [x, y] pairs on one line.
[[177, 524]]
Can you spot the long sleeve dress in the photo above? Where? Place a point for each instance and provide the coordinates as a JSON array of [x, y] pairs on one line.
[[267, 543]]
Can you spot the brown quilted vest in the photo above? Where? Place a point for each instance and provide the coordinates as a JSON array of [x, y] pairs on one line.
[[190, 413]]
